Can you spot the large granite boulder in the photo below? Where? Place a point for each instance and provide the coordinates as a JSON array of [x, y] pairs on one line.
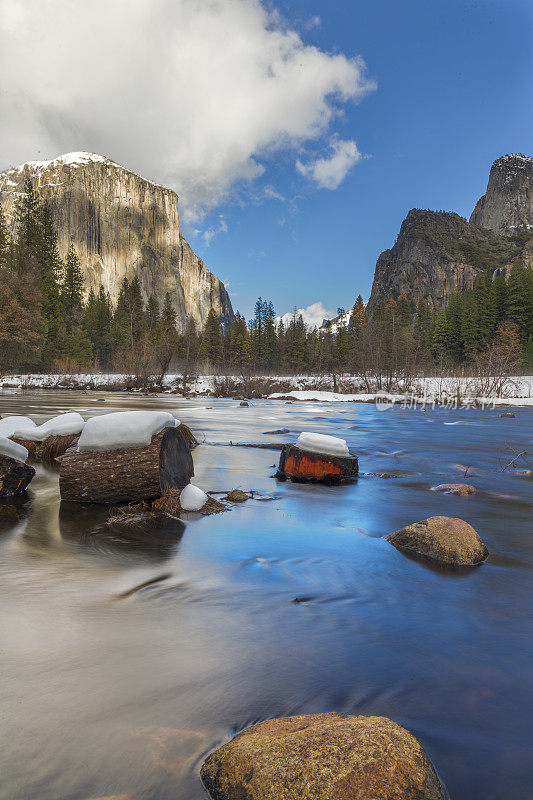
[[322, 757], [443, 540]]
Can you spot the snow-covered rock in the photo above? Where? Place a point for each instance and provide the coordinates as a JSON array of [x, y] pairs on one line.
[[12, 449], [8, 425], [192, 498], [320, 443], [124, 429], [62, 425]]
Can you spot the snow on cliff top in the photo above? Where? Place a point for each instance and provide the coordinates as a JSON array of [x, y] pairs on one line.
[[78, 159], [515, 157], [123, 429], [75, 160]]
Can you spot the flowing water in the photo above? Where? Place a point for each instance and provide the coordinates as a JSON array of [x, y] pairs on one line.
[[291, 603]]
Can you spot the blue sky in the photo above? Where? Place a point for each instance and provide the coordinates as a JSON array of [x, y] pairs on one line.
[[454, 93]]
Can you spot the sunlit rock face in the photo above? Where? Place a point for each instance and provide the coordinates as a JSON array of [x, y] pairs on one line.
[[121, 225], [507, 205]]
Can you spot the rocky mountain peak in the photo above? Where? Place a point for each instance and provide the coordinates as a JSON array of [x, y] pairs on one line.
[[507, 205]]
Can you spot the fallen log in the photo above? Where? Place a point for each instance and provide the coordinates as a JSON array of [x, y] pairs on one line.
[[303, 465], [188, 435], [55, 446], [127, 474], [31, 446], [14, 476]]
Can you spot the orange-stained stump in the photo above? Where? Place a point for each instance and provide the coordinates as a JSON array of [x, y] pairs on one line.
[[301, 465]]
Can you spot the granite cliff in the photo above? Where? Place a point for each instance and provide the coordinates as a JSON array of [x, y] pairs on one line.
[[121, 226], [439, 252], [507, 205]]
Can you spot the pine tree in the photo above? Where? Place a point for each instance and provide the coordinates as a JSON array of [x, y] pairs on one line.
[[269, 335], [469, 325], [72, 290], [5, 241], [404, 312], [211, 344], [152, 315], [166, 342]]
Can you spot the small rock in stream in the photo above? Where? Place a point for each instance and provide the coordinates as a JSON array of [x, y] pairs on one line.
[[459, 489], [448, 541]]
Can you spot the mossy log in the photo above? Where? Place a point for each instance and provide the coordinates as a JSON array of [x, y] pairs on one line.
[[55, 446], [31, 446], [302, 465], [129, 473], [14, 476]]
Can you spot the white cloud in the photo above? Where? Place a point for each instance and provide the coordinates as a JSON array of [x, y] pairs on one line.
[[313, 316], [215, 230], [329, 171], [195, 94], [272, 194]]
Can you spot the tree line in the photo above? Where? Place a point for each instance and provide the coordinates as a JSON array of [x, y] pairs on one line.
[[48, 323]]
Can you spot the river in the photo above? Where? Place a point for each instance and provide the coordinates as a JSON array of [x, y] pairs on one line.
[[108, 691]]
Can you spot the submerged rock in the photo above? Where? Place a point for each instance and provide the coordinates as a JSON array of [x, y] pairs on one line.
[[443, 540], [237, 496], [508, 414], [459, 489], [322, 757], [244, 404]]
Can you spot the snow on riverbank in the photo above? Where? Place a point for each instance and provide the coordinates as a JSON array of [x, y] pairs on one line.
[[518, 390]]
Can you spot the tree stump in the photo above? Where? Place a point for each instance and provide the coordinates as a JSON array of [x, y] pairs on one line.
[[128, 474], [14, 476], [303, 465]]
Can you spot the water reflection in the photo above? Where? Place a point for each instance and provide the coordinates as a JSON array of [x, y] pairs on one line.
[[87, 526]]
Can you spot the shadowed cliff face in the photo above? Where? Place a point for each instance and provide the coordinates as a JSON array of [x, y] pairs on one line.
[[437, 252], [426, 261], [121, 226], [507, 205]]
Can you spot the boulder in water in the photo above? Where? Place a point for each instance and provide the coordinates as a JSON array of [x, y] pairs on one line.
[[459, 489], [322, 757], [237, 496], [444, 540]]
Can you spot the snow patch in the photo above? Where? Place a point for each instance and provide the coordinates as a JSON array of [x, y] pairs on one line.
[[8, 425], [75, 159], [323, 444], [192, 498], [123, 429], [62, 425], [12, 449]]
